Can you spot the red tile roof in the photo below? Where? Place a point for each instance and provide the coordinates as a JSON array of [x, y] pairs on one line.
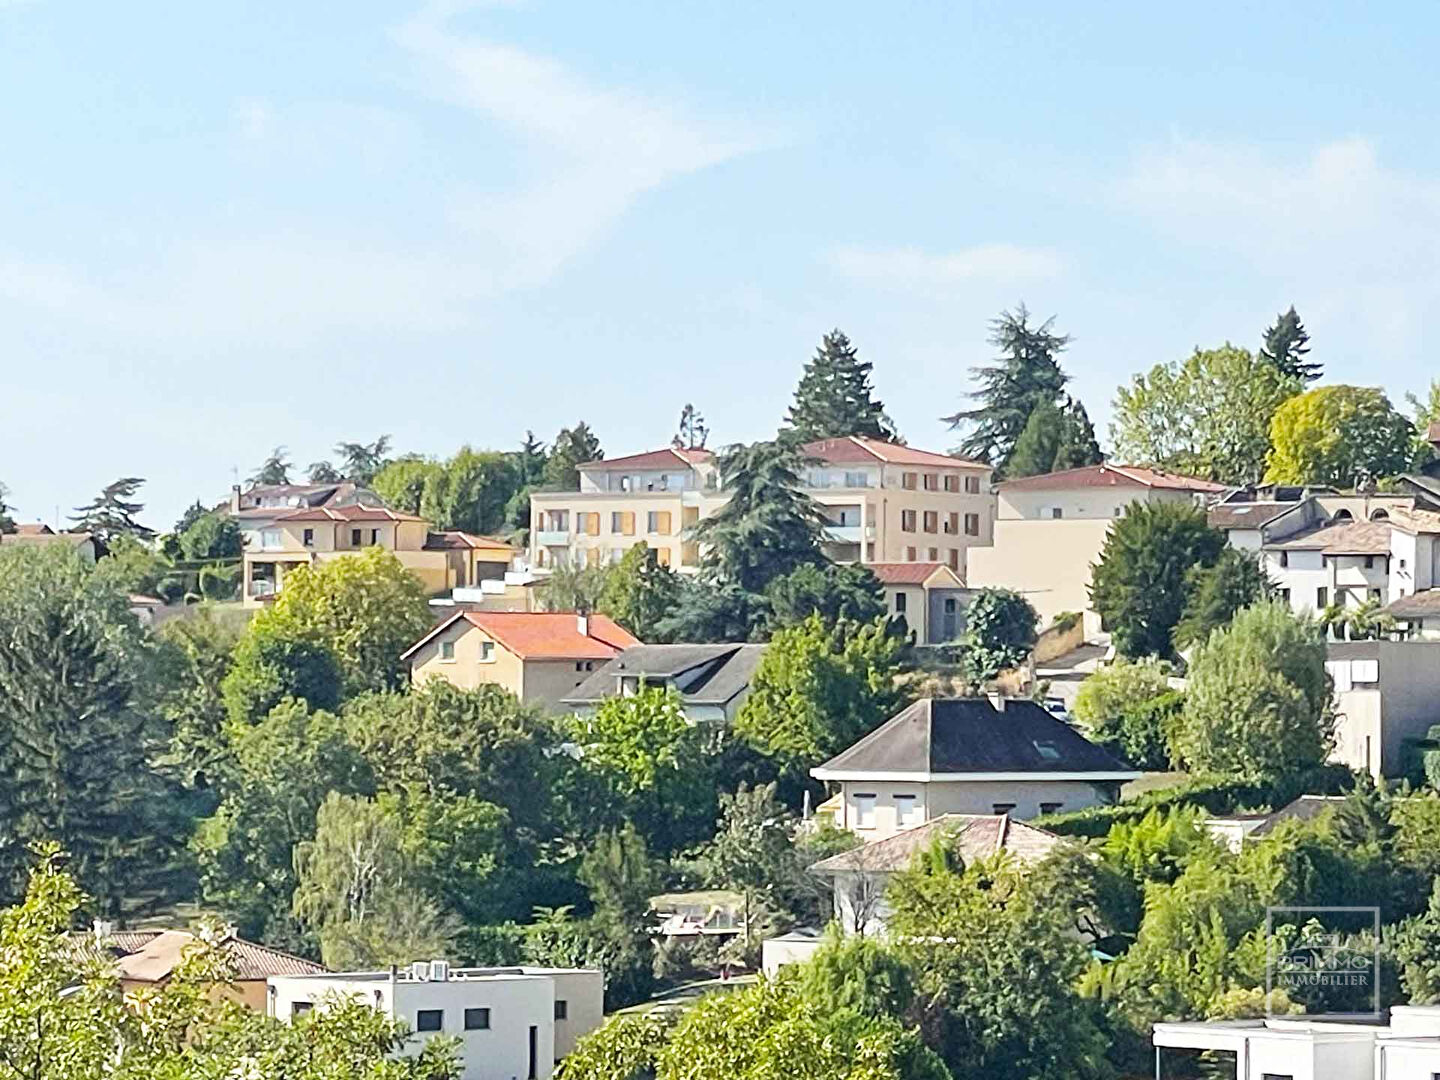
[[543, 635], [457, 540], [1088, 476], [33, 528], [653, 459], [905, 573], [353, 512], [857, 449]]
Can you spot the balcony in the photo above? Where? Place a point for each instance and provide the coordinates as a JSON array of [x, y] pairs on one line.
[[848, 534], [553, 538]]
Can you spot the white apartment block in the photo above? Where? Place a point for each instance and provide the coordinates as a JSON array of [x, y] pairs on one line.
[[512, 1023], [883, 503]]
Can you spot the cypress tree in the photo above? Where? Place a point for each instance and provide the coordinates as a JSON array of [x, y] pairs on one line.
[[835, 396]]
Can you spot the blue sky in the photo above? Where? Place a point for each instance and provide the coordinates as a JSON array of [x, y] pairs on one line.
[[230, 225]]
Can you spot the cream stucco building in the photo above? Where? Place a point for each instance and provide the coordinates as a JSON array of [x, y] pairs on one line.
[[883, 502]]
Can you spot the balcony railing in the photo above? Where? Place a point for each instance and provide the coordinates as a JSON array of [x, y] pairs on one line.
[[848, 534], [553, 538]]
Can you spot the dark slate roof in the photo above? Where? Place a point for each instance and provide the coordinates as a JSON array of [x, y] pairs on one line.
[[970, 735], [1305, 808], [717, 672]]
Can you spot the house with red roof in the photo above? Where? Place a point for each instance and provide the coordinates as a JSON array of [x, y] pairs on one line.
[[539, 656], [882, 502], [929, 597], [310, 535]]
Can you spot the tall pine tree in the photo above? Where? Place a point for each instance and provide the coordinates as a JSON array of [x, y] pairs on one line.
[[1025, 375], [835, 397], [1286, 344], [112, 513], [1055, 437]]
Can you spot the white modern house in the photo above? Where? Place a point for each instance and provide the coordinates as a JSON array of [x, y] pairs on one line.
[[1407, 1048], [1387, 695], [512, 1023], [985, 756]]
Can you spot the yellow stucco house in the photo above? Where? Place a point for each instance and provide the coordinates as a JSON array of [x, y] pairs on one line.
[[539, 656], [441, 560]]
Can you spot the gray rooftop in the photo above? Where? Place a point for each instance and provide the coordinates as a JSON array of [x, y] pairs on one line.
[[707, 674]]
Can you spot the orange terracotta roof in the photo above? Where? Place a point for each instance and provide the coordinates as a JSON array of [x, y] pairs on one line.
[[543, 635], [857, 449], [905, 573], [157, 959], [463, 540], [33, 528], [652, 459], [1088, 476], [352, 512]]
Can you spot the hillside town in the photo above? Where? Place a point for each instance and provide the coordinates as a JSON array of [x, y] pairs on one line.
[[1012, 759]]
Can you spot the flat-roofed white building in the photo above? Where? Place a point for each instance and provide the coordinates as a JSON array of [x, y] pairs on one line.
[[512, 1023]]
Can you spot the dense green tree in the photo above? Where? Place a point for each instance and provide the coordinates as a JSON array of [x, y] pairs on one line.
[[402, 482], [709, 611], [269, 666], [573, 588], [75, 734], [358, 893], [192, 659], [530, 459], [1426, 413], [1340, 436], [359, 462], [820, 686], [992, 948], [835, 397], [1055, 437], [1217, 592], [62, 1018], [860, 974], [275, 469], [1207, 417], [1417, 952], [833, 591], [572, 448], [1139, 586], [471, 492], [999, 632], [366, 609], [752, 851], [212, 535], [111, 514], [769, 526], [1258, 700], [1026, 374], [275, 776], [323, 472], [1286, 345], [193, 513], [638, 592], [132, 566], [1131, 708]]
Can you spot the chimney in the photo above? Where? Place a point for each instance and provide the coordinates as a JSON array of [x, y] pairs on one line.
[[997, 700], [103, 928], [234, 498], [582, 625]]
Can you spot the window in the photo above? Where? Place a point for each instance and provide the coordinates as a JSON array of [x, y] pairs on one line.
[[1001, 807], [662, 556], [865, 811], [900, 603], [1322, 598], [430, 1020], [907, 520], [954, 559], [1376, 595], [949, 605], [972, 485], [308, 538], [952, 523], [932, 521], [562, 1009], [972, 524], [299, 1008], [909, 554], [907, 481], [374, 536], [354, 537], [1285, 595], [447, 651], [907, 811], [588, 523], [487, 652], [952, 482], [658, 521], [477, 1019], [592, 557], [1056, 513], [931, 481], [857, 479], [932, 555], [1046, 749], [269, 538], [1284, 558], [1369, 562], [1119, 512], [623, 522], [1050, 807]]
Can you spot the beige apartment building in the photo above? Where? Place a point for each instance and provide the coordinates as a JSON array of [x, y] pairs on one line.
[[440, 560], [883, 503]]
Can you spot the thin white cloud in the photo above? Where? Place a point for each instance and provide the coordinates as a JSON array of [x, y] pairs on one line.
[[592, 151], [913, 269], [1336, 228]]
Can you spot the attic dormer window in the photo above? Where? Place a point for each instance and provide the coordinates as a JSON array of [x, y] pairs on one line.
[[1046, 750]]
